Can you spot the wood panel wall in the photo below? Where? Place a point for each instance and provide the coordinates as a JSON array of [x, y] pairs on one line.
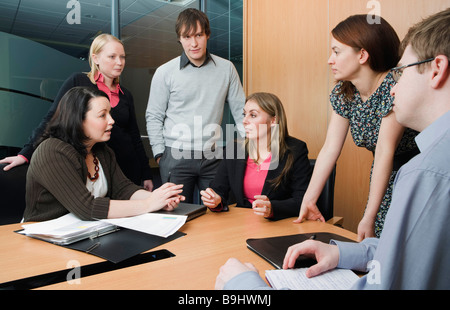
[[286, 48]]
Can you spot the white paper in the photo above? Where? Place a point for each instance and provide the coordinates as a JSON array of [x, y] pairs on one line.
[[163, 225], [295, 279], [64, 226]]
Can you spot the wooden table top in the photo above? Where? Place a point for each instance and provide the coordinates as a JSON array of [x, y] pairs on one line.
[[209, 241]]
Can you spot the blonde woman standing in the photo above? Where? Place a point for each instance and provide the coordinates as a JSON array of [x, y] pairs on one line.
[[107, 61]]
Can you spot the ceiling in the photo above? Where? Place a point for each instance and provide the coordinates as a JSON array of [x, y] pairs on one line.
[[147, 26]]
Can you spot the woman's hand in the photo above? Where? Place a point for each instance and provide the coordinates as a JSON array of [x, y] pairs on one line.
[[210, 198], [366, 228], [262, 206], [166, 197], [309, 211], [13, 161]]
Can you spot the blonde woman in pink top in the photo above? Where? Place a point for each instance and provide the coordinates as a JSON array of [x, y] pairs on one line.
[[269, 171]]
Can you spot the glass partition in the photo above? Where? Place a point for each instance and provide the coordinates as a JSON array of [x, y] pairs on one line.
[[226, 21], [43, 42]]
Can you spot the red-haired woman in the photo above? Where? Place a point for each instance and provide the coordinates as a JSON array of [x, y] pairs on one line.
[[362, 55]]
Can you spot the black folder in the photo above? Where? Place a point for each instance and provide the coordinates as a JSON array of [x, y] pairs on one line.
[[121, 245], [125, 243], [274, 249]]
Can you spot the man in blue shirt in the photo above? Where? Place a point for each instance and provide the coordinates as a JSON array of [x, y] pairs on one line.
[[413, 251]]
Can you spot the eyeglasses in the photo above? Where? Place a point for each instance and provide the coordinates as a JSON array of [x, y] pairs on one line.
[[398, 71]]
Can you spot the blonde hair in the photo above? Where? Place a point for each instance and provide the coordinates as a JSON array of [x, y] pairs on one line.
[[96, 47], [272, 105]]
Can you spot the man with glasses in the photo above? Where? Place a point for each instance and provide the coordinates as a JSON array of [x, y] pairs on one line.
[[413, 251], [398, 71]]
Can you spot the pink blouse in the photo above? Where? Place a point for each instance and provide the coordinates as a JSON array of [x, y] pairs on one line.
[[112, 94], [255, 177]]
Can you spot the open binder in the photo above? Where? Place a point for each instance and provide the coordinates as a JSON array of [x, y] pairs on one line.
[[95, 237], [67, 229], [274, 249], [118, 246]]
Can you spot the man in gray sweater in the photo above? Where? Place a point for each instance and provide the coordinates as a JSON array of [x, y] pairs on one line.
[[186, 104]]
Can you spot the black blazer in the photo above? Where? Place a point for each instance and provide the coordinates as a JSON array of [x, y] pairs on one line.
[[286, 199], [125, 136]]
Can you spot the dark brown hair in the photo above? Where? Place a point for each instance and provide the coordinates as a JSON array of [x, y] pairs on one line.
[[67, 122], [379, 39], [188, 19]]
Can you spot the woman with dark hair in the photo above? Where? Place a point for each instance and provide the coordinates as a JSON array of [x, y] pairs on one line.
[[73, 170], [362, 55], [270, 171]]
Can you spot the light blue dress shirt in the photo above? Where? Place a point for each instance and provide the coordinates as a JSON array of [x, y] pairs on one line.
[[413, 251]]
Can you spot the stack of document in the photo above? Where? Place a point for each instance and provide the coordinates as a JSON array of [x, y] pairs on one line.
[[67, 229]]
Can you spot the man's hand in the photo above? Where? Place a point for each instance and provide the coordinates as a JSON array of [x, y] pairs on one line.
[[232, 268], [327, 256]]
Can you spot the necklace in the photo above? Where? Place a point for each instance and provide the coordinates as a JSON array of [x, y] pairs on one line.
[[95, 177]]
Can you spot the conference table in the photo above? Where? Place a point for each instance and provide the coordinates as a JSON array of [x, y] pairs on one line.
[[208, 242]]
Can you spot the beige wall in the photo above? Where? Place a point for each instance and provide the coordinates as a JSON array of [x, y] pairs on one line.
[[286, 48]]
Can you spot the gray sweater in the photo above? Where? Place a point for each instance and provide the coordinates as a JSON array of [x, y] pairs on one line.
[[186, 104], [56, 183]]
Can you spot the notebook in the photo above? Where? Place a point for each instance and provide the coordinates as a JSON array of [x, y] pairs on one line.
[[274, 249], [296, 279], [191, 210]]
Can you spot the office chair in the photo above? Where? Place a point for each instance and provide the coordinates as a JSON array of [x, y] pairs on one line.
[[12, 194], [325, 203]]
